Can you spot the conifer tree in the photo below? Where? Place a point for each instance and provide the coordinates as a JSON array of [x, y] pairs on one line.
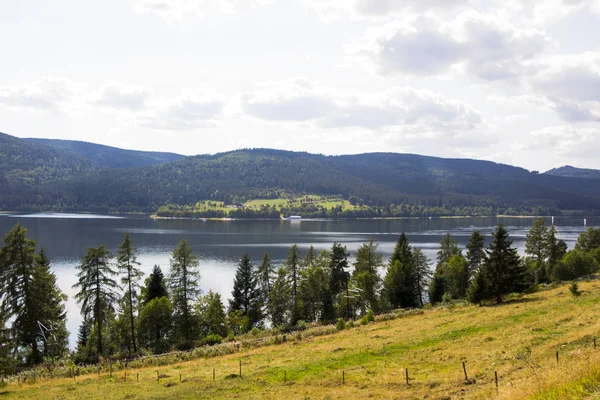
[[475, 252], [183, 283], [97, 290], [292, 265], [557, 248], [213, 320], [49, 309], [423, 273], [366, 275], [155, 286], [400, 282], [245, 296], [154, 324], [126, 263], [503, 267], [536, 246], [314, 287], [279, 298], [339, 276], [448, 249], [264, 277]]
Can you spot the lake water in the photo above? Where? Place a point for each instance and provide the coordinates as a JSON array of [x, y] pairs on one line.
[[220, 244]]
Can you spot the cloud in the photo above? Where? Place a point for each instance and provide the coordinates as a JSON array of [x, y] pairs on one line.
[[411, 110], [187, 113], [424, 45], [49, 94], [566, 141], [176, 10], [122, 97], [571, 84], [332, 10]]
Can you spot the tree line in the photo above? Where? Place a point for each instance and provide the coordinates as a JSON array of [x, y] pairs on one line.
[[124, 317]]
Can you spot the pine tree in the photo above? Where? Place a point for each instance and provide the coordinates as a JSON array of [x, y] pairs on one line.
[[292, 265], [448, 249], [155, 286], [366, 275], [279, 298], [475, 252], [264, 277], [18, 264], [183, 282], [400, 282], [423, 273], [49, 309], [437, 288], [503, 266], [126, 263], [97, 290], [314, 287], [536, 246], [557, 248], [311, 256], [245, 296], [339, 276], [479, 289]]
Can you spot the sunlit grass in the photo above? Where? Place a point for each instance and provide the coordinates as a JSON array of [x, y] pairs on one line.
[[518, 339]]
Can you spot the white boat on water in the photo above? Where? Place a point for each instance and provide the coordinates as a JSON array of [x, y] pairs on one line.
[[294, 218]]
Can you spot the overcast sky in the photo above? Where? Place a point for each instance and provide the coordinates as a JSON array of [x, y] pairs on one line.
[[514, 81]]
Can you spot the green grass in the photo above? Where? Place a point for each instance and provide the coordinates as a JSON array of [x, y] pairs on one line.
[[518, 339]]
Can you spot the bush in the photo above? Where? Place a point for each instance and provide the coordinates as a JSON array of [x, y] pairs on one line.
[[370, 316], [574, 289], [211, 340], [340, 325]]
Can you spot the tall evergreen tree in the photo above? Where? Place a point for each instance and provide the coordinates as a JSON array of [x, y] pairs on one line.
[[126, 263], [475, 252], [448, 249], [423, 273], [310, 257], [339, 275], [400, 282], [97, 289], [49, 309], [366, 275], [557, 248], [293, 268], [264, 277], [18, 264], [314, 287], [279, 298], [245, 296], [503, 267], [183, 282], [155, 286], [536, 246]]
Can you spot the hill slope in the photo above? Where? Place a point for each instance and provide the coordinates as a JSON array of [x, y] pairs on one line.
[[573, 172], [77, 176], [110, 157], [518, 340]]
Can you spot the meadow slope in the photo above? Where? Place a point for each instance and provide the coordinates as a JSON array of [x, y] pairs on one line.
[[518, 339]]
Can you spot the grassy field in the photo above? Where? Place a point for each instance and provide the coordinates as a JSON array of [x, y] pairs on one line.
[[319, 201], [518, 340]]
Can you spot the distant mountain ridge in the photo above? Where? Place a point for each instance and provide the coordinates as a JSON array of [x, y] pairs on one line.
[[573, 172], [110, 157], [78, 176]]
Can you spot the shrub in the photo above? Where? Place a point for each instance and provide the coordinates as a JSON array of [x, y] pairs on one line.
[[340, 325], [370, 316], [574, 289], [212, 339]]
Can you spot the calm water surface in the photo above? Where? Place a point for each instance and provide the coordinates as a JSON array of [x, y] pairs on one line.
[[220, 244]]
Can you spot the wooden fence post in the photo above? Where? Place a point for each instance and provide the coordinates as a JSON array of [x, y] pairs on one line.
[[496, 376], [465, 370]]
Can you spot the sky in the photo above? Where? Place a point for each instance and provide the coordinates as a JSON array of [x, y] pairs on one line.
[[512, 81]]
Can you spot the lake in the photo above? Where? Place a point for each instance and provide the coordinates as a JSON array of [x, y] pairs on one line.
[[220, 244]]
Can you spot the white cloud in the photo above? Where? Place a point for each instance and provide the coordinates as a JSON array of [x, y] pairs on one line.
[[120, 96], [50, 94], [176, 10], [484, 45], [332, 10], [189, 112], [571, 84], [566, 142], [411, 111]]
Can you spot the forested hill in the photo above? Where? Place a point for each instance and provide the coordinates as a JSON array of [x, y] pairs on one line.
[[417, 185], [110, 157], [573, 172]]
